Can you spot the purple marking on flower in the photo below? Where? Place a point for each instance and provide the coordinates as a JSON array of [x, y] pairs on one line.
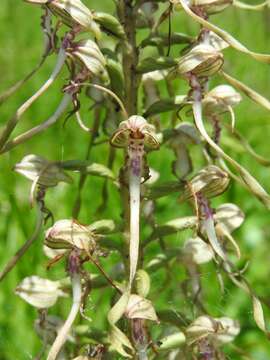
[[138, 331], [204, 206], [135, 165], [216, 129], [73, 266], [205, 350]]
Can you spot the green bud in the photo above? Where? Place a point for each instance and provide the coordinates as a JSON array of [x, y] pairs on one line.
[[109, 24], [142, 281]]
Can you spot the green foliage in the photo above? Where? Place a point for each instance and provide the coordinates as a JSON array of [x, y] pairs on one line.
[[21, 41]]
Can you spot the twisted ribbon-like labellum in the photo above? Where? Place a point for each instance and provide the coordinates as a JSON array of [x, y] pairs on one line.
[[248, 179], [63, 333], [135, 152], [224, 35], [13, 121], [134, 134]]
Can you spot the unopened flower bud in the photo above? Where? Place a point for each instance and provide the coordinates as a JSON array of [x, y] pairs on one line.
[[109, 24], [46, 173], [219, 99], [135, 128], [67, 234], [197, 251], [72, 12], [142, 283], [202, 60], [38, 292], [221, 330], [87, 52], [211, 181]]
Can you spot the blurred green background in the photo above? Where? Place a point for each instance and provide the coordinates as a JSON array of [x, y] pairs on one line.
[[21, 47]]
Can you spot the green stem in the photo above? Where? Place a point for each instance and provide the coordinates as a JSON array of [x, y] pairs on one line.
[[130, 55], [127, 17]]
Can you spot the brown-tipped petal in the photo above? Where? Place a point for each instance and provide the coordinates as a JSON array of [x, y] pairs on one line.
[[202, 60], [88, 53], [140, 308], [65, 234], [211, 181], [136, 127], [75, 12]]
